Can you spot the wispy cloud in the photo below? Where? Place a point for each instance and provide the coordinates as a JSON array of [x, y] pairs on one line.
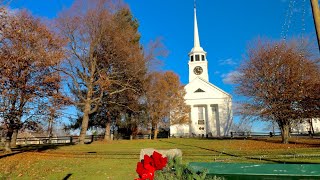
[[229, 78], [228, 61]]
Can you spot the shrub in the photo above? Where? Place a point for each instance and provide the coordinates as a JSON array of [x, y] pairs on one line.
[[176, 170]]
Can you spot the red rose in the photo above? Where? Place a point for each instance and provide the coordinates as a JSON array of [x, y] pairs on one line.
[[141, 170], [159, 161], [148, 176], [145, 168], [147, 160], [149, 165]]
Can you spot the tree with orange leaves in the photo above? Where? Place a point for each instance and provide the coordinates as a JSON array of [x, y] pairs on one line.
[[165, 100], [29, 51]]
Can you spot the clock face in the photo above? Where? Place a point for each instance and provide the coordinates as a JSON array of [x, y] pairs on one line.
[[197, 70]]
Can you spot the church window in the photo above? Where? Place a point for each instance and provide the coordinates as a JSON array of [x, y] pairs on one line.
[[197, 58], [191, 58], [202, 57], [201, 122]]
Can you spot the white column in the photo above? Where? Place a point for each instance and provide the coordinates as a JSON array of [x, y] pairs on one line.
[[209, 121], [193, 116]]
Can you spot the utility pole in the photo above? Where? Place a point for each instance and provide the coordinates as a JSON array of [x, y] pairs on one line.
[[316, 18]]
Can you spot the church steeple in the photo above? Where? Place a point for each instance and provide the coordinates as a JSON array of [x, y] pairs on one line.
[[198, 64], [196, 39], [196, 33]]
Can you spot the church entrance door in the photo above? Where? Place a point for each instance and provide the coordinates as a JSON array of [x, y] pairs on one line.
[[201, 121]]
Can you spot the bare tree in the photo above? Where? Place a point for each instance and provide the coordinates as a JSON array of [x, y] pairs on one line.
[[28, 53], [105, 57], [244, 125], [278, 79]]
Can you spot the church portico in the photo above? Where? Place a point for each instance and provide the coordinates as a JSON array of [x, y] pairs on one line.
[[206, 118], [199, 120]]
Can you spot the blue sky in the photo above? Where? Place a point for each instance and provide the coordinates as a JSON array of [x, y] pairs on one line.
[[225, 28]]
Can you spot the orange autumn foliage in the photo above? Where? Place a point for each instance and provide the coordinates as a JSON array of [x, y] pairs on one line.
[[165, 100], [29, 51]]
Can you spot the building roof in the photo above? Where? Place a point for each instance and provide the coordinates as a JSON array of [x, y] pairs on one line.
[[203, 81]]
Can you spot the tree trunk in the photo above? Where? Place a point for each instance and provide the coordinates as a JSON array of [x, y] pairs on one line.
[[50, 129], [107, 132], [134, 131], [14, 138], [2, 138], [7, 147], [311, 126], [285, 133], [155, 132], [85, 121]]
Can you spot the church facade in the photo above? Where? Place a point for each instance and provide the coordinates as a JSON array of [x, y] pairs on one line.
[[211, 107]]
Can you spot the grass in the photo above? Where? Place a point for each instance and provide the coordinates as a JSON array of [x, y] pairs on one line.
[[118, 159]]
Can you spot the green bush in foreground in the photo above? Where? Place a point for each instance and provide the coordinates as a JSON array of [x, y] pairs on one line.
[[176, 170]]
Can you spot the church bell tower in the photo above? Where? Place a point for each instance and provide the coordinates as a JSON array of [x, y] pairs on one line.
[[198, 64]]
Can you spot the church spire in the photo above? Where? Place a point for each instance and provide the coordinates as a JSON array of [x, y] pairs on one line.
[[196, 40], [196, 33]]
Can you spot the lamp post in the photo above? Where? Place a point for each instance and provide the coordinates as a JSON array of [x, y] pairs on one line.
[[316, 18]]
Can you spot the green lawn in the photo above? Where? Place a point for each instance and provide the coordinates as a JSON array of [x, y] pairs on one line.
[[117, 160]]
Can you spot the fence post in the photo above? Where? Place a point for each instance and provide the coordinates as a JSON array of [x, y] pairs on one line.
[[71, 139], [271, 134], [50, 140], [92, 138]]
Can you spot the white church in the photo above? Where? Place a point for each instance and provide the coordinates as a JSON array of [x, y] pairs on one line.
[[211, 107]]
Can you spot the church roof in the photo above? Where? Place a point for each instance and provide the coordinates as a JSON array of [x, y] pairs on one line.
[[207, 83]]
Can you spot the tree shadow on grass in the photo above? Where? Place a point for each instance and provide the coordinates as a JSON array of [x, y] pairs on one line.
[[292, 140], [261, 158], [67, 176], [32, 148], [275, 140]]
